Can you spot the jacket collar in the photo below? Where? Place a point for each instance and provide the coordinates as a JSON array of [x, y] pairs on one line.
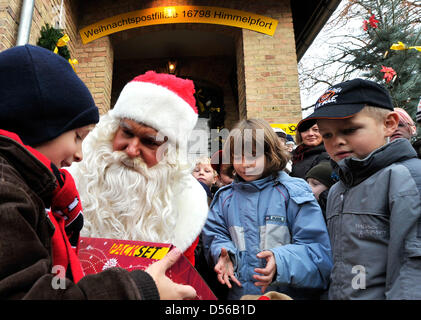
[[38, 177], [304, 151], [253, 185], [353, 171]]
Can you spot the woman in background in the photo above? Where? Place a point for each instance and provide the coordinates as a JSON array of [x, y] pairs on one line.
[[309, 152]]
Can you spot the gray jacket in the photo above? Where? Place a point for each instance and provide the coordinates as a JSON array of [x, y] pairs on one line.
[[373, 216]]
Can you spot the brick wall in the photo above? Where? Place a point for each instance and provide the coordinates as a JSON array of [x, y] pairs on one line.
[[270, 67], [9, 15], [95, 68]]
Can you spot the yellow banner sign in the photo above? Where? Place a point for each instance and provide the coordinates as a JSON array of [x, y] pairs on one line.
[[289, 128], [179, 14], [131, 250]]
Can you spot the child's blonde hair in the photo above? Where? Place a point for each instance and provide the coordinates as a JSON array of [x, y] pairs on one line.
[[378, 114], [206, 160], [276, 156]]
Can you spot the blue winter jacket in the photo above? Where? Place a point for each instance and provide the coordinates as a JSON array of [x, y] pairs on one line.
[[280, 215]]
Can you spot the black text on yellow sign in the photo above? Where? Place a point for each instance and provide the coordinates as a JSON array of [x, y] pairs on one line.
[[179, 14], [131, 250], [289, 128]]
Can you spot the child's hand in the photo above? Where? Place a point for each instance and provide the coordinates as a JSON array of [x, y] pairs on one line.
[[267, 274], [169, 290], [225, 269]]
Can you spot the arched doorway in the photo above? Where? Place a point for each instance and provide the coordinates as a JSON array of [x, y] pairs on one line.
[[205, 55]]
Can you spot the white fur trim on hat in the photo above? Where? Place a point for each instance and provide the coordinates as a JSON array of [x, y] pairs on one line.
[[157, 107]]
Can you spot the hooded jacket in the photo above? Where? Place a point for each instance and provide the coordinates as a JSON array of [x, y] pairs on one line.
[[26, 187], [280, 215], [374, 222]]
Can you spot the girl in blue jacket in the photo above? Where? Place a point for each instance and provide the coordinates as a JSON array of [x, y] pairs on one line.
[[265, 231]]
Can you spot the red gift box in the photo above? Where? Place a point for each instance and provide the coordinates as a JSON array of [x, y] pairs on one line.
[[98, 254]]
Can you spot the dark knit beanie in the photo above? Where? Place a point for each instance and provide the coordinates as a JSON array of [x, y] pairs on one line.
[[323, 173], [41, 95]]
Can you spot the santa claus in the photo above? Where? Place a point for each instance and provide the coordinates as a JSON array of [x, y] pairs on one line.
[[135, 182]]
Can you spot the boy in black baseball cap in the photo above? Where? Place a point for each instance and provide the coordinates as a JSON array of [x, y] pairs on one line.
[[373, 213]]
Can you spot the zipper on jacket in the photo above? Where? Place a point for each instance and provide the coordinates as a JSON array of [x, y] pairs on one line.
[[342, 271]]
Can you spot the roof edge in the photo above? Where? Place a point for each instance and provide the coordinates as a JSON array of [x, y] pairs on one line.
[[314, 24]]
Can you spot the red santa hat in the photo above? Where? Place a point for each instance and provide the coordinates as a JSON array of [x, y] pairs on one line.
[[161, 101]]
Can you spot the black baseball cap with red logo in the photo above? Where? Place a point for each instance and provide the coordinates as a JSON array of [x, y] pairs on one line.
[[345, 99]]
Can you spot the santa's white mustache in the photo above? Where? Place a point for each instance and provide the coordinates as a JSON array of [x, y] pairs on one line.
[[136, 164]]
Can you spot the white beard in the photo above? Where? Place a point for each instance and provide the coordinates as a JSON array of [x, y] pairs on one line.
[[122, 198]]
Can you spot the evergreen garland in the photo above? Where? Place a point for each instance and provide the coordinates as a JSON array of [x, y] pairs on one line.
[[392, 23], [405, 88], [48, 40]]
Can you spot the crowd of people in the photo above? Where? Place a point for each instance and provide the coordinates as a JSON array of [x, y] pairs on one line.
[[333, 214]]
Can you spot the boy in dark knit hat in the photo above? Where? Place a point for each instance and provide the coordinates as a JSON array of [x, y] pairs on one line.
[[320, 180], [374, 211], [45, 113]]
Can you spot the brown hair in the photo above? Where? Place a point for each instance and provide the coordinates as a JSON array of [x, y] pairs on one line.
[[298, 138], [276, 156]]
